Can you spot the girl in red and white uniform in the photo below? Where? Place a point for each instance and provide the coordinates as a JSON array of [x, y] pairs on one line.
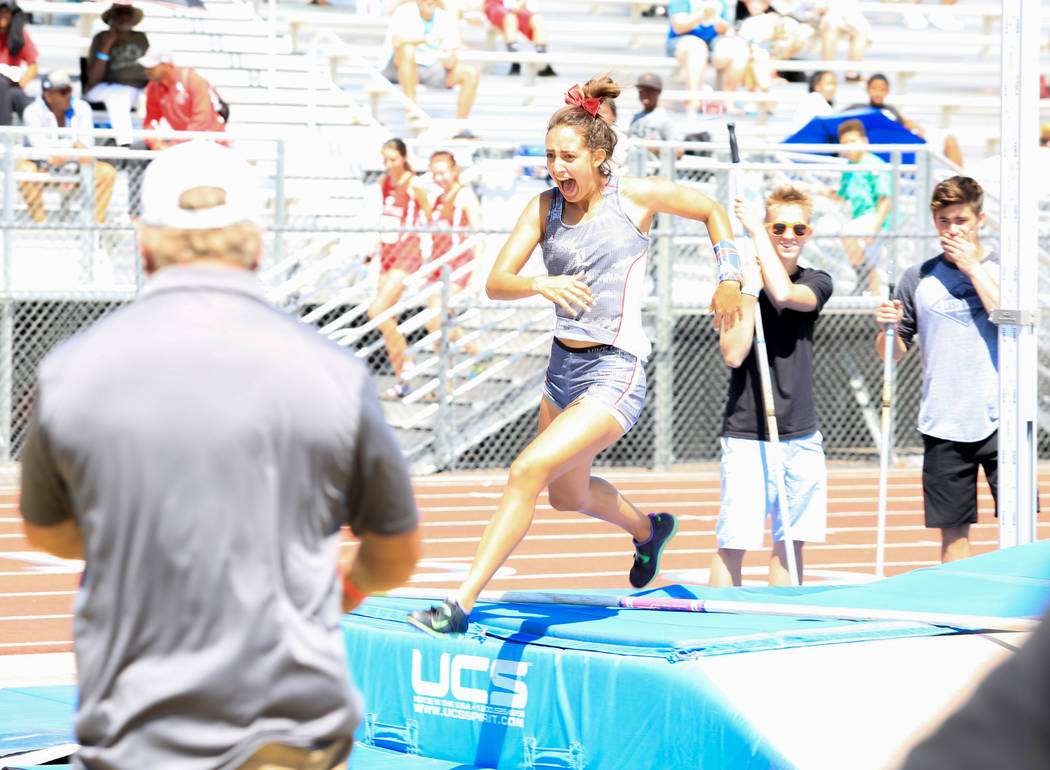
[[455, 206], [405, 205]]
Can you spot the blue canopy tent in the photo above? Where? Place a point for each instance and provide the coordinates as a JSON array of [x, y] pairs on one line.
[[879, 128]]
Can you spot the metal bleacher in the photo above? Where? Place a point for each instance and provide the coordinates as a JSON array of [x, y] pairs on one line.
[[309, 75]]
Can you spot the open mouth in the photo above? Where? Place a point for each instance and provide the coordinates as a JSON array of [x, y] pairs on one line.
[[567, 187]]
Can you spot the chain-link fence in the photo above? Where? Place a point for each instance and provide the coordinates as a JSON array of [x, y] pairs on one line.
[[476, 366]]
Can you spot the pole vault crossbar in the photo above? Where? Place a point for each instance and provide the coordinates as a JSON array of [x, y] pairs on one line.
[[673, 604]]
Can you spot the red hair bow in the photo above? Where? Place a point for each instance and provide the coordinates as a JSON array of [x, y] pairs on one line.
[[575, 97]]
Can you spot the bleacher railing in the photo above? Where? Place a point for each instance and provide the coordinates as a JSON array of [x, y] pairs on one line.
[[473, 400]]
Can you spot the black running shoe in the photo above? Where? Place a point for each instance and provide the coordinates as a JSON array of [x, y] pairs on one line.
[[647, 554], [515, 68], [547, 72], [440, 620]]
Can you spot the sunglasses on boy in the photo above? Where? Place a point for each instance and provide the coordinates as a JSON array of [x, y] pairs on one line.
[[798, 228]]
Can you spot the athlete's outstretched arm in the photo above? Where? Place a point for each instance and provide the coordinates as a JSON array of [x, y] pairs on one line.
[[656, 194], [503, 282]]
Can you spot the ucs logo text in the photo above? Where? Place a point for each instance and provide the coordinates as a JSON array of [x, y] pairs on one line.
[[506, 676]]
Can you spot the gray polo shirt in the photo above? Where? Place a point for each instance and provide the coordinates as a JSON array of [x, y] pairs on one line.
[[209, 447]]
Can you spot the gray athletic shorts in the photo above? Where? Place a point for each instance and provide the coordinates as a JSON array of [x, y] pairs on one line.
[[433, 76], [613, 377]]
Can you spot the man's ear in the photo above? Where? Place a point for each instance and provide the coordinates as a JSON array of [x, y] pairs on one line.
[[147, 260], [257, 251]]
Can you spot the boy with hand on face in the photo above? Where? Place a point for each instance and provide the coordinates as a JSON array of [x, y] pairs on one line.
[[947, 301]]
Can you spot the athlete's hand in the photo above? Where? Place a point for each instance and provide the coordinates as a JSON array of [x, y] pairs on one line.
[[726, 305], [569, 291], [748, 217], [752, 278], [889, 312]]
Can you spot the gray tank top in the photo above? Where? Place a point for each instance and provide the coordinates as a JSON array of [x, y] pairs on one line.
[[611, 252]]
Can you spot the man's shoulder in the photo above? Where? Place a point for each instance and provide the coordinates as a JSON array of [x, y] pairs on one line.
[[914, 273], [35, 109], [811, 274], [817, 280]]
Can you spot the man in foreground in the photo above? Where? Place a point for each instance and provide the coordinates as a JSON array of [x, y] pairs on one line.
[[200, 450]]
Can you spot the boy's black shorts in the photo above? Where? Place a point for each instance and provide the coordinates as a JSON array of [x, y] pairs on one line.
[[949, 478]]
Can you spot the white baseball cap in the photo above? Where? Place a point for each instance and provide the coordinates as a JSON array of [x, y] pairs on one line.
[[199, 163], [153, 57]]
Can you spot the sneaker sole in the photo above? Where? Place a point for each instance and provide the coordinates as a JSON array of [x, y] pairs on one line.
[[660, 551], [430, 631]]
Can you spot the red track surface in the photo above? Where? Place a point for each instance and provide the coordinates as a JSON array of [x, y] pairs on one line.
[[562, 550]]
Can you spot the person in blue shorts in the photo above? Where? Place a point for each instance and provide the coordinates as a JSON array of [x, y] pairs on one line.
[[790, 299], [592, 228], [694, 27], [947, 301]]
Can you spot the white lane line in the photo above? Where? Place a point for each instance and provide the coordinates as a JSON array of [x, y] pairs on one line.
[[580, 519], [35, 617], [843, 493], [18, 594], [36, 644]]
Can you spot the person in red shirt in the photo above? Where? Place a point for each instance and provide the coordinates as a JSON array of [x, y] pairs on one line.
[[405, 205], [18, 58], [177, 98]]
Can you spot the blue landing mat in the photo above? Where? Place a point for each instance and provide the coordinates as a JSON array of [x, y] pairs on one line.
[[34, 718], [548, 685], [1013, 582]]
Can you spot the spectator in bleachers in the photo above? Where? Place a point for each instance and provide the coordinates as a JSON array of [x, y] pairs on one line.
[[653, 122], [455, 206], [879, 89], [56, 108], [941, 17], [421, 43], [832, 18], [868, 195], [819, 102], [769, 36], [513, 16], [405, 204], [695, 26], [114, 75], [177, 98], [18, 58]]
